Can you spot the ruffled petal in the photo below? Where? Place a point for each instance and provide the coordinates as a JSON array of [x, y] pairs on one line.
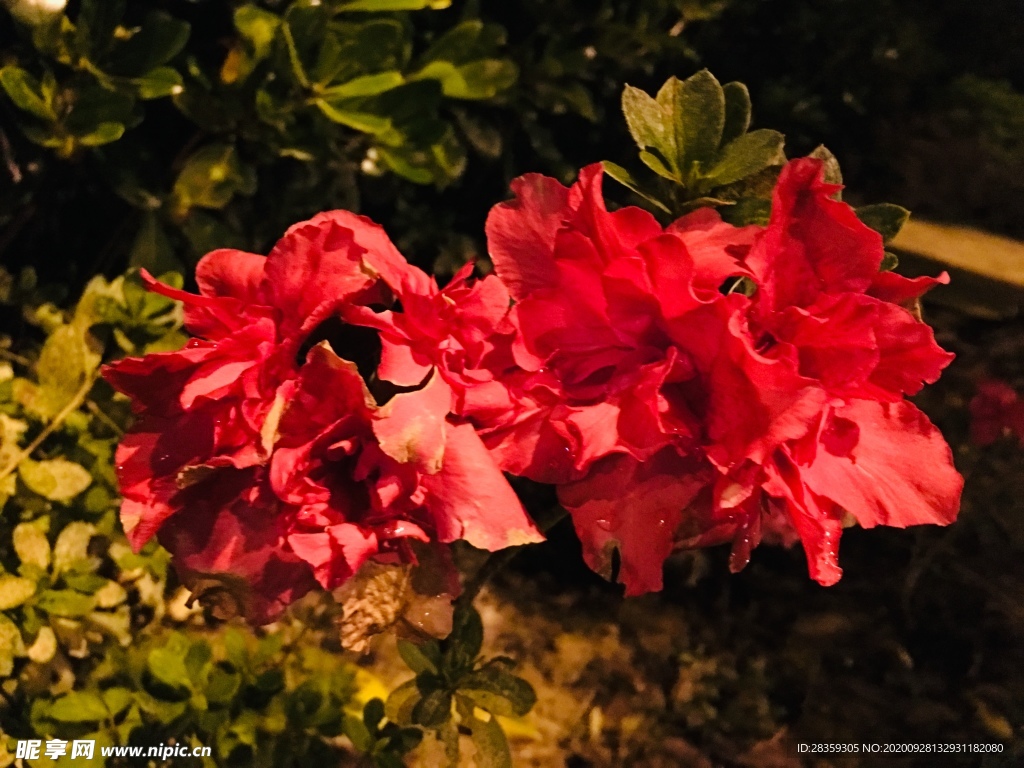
[[635, 508]]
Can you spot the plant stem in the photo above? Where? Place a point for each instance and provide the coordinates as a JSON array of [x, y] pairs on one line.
[[73, 404], [499, 560]]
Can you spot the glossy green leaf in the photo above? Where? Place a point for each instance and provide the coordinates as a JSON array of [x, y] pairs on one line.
[[359, 121], [104, 133], [26, 92], [258, 27], [886, 219], [481, 79], [159, 82], [96, 23], [158, 39], [367, 85], [212, 176]]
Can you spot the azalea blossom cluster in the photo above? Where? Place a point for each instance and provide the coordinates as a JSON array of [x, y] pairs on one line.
[[682, 386]]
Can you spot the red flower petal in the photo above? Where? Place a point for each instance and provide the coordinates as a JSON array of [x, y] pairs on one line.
[[470, 499], [633, 507], [813, 244], [411, 426], [899, 472]]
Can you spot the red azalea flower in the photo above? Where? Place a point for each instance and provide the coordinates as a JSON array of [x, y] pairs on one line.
[[673, 414], [264, 464]]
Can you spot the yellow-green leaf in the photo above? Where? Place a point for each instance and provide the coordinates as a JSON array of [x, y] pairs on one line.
[[15, 591], [31, 545], [55, 479], [72, 545]]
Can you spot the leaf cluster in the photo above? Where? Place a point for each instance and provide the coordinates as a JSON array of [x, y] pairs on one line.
[[694, 135], [455, 692], [95, 639]]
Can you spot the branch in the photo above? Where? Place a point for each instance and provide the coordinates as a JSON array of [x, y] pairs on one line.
[[73, 404]]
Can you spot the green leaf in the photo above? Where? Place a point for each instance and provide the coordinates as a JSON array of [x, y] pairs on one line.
[[414, 658], [697, 107], [152, 249], [11, 644], [448, 735], [737, 111], [167, 665], [885, 218], [79, 707], [96, 23], [833, 175], [72, 545], [624, 178], [87, 583], [747, 210], [55, 479], [15, 591], [490, 744], [26, 92], [745, 156], [467, 630], [304, 703], [493, 679], [159, 82], [65, 363], [104, 133], [66, 603], [31, 545], [117, 700], [889, 262], [359, 121], [649, 125], [212, 176], [258, 27], [358, 733], [373, 713], [481, 79], [374, 6], [153, 43], [222, 686], [401, 701], [367, 85], [433, 709]]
